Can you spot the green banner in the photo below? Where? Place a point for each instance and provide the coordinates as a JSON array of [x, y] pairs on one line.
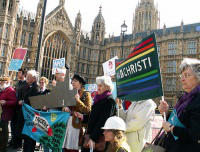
[[138, 76]]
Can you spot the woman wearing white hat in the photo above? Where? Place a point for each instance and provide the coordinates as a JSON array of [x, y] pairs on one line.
[[114, 134]]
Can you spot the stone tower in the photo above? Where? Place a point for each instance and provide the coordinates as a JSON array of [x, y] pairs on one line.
[[77, 33], [146, 16], [98, 28], [8, 15]]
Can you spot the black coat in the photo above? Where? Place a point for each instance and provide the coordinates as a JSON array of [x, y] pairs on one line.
[[19, 86], [25, 93], [101, 111], [189, 137]]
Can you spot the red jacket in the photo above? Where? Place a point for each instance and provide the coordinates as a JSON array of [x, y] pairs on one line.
[[9, 95]]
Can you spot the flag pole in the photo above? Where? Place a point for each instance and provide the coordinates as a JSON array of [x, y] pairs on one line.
[[40, 36]]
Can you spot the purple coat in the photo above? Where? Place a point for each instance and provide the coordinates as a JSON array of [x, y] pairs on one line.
[[9, 95]]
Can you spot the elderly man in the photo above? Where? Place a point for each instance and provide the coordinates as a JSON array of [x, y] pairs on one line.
[[8, 102], [60, 74], [31, 89]]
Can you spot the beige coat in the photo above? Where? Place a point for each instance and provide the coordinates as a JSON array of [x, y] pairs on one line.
[[83, 107], [138, 118]]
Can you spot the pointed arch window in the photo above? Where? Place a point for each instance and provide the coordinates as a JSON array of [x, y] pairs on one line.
[[30, 39], [10, 5], [97, 36], [28, 56], [4, 4], [6, 31], [1, 68], [16, 36], [55, 47], [3, 50], [23, 37], [1, 27]]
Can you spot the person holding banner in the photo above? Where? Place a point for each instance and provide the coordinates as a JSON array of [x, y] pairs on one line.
[[83, 105], [8, 101], [138, 118], [104, 106], [31, 89], [183, 123]]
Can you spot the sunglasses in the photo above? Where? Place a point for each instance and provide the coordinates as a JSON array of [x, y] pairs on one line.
[[41, 82]]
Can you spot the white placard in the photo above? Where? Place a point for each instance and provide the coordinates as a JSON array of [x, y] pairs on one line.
[[58, 63], [109, 67]]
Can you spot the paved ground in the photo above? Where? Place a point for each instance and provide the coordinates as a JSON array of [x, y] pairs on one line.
[[19, 150]]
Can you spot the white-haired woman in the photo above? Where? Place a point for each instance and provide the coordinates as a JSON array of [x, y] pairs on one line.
[[103, 107], [31, 89], [183, 125]]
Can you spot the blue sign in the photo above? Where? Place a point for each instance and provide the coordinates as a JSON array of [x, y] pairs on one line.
[[58, 63], [15, 64]]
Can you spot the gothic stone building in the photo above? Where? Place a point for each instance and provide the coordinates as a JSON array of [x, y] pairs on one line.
[[86, 51]]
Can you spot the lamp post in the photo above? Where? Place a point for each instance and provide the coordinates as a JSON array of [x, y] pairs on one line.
[[123, 30], [40, 36]]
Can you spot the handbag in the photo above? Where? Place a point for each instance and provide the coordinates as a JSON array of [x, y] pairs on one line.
[[81, 134], [99, 145], [151, 147]]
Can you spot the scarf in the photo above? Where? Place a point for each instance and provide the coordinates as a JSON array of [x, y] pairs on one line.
[[185, 100], [98, 98]]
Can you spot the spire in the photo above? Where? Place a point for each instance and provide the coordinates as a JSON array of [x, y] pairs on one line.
[[100, 7], [182, 25], [62, 2], [98, 27]]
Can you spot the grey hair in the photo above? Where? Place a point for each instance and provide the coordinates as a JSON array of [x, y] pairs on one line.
[[34, 74], [194, 64], [106, 80]]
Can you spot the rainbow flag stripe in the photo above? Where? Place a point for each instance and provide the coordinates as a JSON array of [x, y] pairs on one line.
[[138, 76]]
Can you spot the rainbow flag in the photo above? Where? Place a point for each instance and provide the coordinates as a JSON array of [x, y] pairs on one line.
[[138, 76]]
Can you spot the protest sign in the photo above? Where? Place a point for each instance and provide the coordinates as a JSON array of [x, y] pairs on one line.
[[109, 67], [138, 76], [48, 128], [17, 59], [92, 88], [59, 96], [58, 63]]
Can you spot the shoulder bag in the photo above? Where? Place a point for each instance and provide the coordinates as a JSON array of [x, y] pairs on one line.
[[151, 147]]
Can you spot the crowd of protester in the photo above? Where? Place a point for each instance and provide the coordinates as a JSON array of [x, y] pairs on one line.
[[127, 132]]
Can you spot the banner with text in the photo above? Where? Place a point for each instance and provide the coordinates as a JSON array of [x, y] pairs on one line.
[[48, 128], [138, 76]]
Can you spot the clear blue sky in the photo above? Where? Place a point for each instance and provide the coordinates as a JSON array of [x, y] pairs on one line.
[[172, 12]]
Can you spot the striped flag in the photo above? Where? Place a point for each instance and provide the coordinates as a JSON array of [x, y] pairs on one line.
[[138, 76]]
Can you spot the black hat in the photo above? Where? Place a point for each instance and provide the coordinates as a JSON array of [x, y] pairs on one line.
[[79, 78]]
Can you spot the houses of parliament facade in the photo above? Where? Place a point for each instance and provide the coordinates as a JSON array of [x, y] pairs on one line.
[[86, 51]]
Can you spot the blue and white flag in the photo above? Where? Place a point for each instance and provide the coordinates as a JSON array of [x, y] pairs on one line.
[[48, 128]]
